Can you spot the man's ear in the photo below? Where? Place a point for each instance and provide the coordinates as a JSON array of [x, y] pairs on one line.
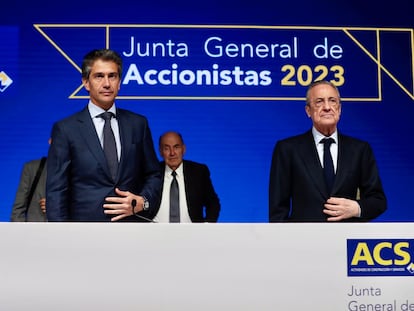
[[307, 109], [85, 83]]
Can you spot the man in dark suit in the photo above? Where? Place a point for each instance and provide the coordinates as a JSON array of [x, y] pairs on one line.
[[201, 203], [102, 169], [298, 188], [30, 209]]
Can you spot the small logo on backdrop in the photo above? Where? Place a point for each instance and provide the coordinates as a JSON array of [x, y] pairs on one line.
[[5, 81], [376, 257]]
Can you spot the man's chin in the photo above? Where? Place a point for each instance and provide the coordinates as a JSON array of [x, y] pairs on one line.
[[328, 122], [175, 163]]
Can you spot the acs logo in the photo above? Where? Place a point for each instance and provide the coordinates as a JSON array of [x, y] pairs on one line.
[[393, 257]]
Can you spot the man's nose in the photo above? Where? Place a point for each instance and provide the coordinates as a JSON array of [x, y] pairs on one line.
[[326, 105], [106, 81]]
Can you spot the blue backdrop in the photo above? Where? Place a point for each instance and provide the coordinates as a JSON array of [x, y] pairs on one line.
[[230, 76]]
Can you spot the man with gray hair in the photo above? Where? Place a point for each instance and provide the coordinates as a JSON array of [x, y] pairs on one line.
[[323, 175]]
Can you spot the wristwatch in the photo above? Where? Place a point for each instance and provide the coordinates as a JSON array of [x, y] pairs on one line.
[[145, 206]]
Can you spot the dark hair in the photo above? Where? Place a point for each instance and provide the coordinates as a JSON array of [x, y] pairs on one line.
[[103, 54], [318, 82]]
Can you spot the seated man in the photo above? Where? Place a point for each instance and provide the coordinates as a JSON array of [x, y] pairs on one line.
[[30, 202], [186, 185]]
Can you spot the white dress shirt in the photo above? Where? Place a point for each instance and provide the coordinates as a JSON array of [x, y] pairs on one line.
[[99, 122], [334, 146], [163, 214]]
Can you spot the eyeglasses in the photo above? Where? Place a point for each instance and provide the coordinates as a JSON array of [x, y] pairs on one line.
[[332, 101]]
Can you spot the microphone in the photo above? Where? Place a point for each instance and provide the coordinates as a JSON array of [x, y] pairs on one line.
[[145, 218]]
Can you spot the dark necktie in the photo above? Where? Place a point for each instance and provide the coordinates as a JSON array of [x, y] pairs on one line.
[[328, 167], [174, 200], [109, 144]]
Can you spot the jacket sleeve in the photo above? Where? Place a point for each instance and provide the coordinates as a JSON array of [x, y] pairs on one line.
[[152, 184], [212, 201], [279, 184], [58, 168], [20, 204], [372, 201]]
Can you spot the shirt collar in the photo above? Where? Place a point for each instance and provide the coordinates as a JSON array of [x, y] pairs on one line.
[[317, 136], [179, 170], [95, 111]]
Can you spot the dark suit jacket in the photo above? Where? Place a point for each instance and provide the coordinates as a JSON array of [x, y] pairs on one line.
[[199, 192], [29, 211], [297, 189], [78, 176]]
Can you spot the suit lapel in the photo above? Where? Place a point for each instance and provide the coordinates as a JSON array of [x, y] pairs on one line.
[[310, 160], [189, 189], [344, 153], [125, 135], [187, 184], [88, 132]]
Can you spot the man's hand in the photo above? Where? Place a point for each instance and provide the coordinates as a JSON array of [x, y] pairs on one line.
[[42, 203], [121, 206], [341, 208]]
